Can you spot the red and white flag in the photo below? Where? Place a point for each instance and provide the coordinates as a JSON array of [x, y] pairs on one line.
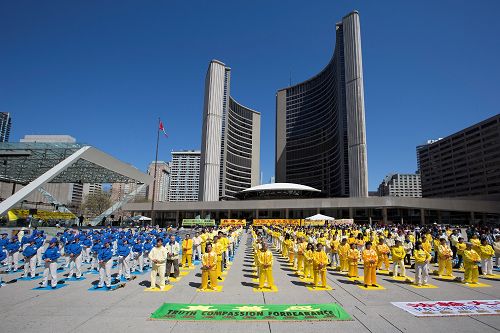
[[161, 128]]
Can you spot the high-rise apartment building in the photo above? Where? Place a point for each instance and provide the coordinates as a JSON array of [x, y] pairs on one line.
[[162, 180], [230, 148], [185, 176], [5, 124], [401, 185], [466, 163], [320, 123]]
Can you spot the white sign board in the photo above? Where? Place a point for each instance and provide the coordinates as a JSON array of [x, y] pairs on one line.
[[451, 308]]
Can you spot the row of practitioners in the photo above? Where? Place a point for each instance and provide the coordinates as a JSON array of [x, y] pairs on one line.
[[347, 256], [130, 247], [292, 241]]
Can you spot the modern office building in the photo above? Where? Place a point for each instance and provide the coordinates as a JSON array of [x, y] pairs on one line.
[[466, 163], [230, 148], [5, 124], [120, 190], [161, 179], [185, 176], [401, 185], [320, 123], [91, 189]]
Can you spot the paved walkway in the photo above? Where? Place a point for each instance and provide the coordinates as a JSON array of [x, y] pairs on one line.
[[74, 309]]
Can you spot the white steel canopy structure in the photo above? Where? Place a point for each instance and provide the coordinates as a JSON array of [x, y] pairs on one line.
[[33, 164]]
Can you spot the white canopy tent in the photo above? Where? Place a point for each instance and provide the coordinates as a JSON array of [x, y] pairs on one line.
[[320, 217]]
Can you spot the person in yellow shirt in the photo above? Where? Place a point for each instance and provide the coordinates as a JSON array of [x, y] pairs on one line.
[[353, 257], [187, 251], [351, 239], [370, 258], [308, 261], [486, 253], [471, 261], [398, 255], [286, 243], [219, 249], [204, 238], [291, 251], [343, 249], [360, 242], [460, 252], [209, 268], [334, 250], [320, 261], [475, 243], [265, 262], [383, 254], [301, 248], [445, 256], [422, 260], [427, 245]]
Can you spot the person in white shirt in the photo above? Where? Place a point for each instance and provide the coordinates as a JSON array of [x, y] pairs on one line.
[[173, 248], [197, 246]]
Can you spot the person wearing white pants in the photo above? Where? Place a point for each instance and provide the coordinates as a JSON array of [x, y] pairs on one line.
[[12, 248], [39, 241], [105, 264], [197, 246], [50, 257], [138, 256], [486, 252], [29, 254], [123, 252], [94, 252], [75, 258], [422, 259], [158, 257]]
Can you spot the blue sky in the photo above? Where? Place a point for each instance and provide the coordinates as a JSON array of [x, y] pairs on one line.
[[104, 71]]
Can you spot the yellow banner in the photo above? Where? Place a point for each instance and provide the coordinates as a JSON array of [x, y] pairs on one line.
[[42, 214], [233, 222], [280, 222], [313, 223]]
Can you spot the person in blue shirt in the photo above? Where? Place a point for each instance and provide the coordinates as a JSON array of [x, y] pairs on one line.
[[3, 241], [25, 240], [66, 252], [3, 256], [29, 254], [39, 241], [87, 244], [75, 258], [138, 255], [147, 248], [94, 251], [123, 252], [12, 248], [50, 257], [105, 264]]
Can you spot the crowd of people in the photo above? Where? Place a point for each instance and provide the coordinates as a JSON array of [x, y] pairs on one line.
[[309, 250], [129, 249]]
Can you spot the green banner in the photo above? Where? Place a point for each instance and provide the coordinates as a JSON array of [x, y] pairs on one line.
[[266, 312], [195, 222]]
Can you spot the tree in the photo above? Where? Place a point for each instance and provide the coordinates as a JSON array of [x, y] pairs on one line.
[[96, 203]]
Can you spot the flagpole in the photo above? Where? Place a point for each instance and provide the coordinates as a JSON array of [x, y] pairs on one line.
[[154, 175]]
